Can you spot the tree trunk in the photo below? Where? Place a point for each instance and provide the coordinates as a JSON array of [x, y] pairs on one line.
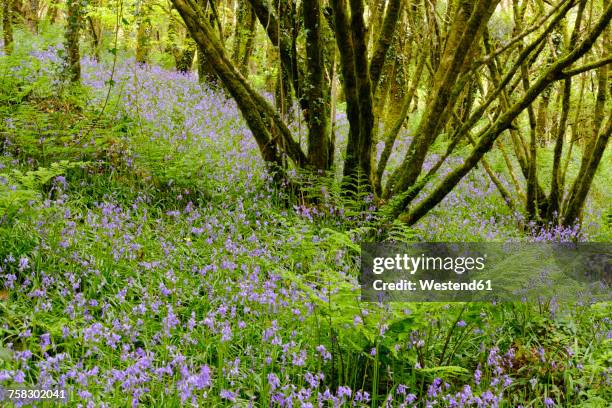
[[582, 184], [344, 41], [603, 83], [143, 39], [392, 132], [384, 41], [248, 45], [206, 73], [467, 26], [556, 186], [364, 93], [52, 11], [72, 40], [7, 26], [279, 36], [243, 32], [315, 89], [186, 56], [95, 29], [241, 15], [269, 131], [29, 11]]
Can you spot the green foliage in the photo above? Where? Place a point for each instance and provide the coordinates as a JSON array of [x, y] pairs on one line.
[[20, 190], [153, 222]]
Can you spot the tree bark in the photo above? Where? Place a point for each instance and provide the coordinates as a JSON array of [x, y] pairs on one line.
[[318, 125], [248, 45], [582, 184], [384, 41], [52, 11], [72, 40], [186, 56], [7, 26], [556, 187], [364, 93], [143, 36], [95, 30], [344, 41], [392, 133], [279, 37]]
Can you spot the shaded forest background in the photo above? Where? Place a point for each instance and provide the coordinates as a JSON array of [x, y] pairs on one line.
[[507, 76]]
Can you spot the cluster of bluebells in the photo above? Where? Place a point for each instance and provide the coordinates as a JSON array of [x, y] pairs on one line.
[[125, 304]]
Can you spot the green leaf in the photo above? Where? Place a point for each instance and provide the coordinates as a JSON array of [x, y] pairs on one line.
[[6, 354]]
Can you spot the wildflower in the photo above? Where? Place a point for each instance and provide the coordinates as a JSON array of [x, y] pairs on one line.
[[203, 379], [324, 353], [226, 333], [170, 321], [45, 340], [477, 376], [228, 395], [274, 381], [344, 391], [434, 388], [299, 359], [24, 263], [312, 380], [9, 281], [362, 396], [19, 377]]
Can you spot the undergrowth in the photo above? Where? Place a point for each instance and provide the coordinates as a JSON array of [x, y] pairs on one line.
[[147, 260]]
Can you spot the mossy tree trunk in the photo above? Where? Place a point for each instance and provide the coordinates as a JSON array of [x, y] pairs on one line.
[[143, 36], [73, 29], [318, 120], [95, 31], [7, 26]]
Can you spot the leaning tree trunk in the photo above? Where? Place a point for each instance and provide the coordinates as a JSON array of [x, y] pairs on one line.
[[557, 71], [7, 26], [269, 131], [73, 56], [470, 20]]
